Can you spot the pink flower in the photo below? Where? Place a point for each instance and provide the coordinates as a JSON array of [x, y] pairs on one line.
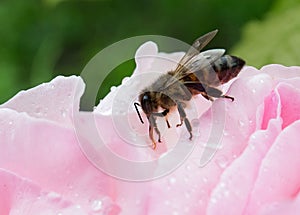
[[244, 158]]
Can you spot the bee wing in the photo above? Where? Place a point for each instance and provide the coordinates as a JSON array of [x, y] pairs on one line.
[[202, 60], [199, 62], [200, 65], [194, 50]]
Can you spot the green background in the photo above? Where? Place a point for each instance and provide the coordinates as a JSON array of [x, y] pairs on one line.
[[43, 39]]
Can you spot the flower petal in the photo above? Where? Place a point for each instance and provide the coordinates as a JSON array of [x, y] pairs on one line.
[[278, 178], [20, 196], [52, 101], [238, 179], [50, 156]]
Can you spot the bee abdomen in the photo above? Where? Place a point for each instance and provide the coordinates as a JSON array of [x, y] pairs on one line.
[[228, 67]]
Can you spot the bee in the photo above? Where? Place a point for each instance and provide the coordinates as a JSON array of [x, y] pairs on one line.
[[196, 73]]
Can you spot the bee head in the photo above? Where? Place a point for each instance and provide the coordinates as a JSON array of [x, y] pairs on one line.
[[146, 102]]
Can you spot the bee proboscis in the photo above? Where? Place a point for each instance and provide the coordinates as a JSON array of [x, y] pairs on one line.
[[196, 73]]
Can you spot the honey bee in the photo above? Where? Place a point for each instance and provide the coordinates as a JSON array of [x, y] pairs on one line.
[[196, 73]]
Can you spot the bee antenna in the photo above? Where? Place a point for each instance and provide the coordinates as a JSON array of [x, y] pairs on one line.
[[137, 110]]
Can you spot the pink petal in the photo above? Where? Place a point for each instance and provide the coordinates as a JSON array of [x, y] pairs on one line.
[[290, 100], [277, 71], [278, 178], [52, 101], [21, 196], [49, 155], [286, 207], [272, 108], [238, 179]]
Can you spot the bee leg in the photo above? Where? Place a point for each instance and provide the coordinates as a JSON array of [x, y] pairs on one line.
[[204, 94], [214, 92], [153, 125], [168, 124], [228, 97], [184, 119], [163, 114]]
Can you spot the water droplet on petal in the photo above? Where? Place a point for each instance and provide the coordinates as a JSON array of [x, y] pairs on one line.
[[38, 110], [205, 179], [126, 81], [252, 147], [222, 161], [53, 195], [63, 113], [96, 205], [172, 181], [213, 200], [225, 132], [113, 88], [241, 123]]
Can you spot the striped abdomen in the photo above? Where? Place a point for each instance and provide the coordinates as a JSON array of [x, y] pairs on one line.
[[227, 67]]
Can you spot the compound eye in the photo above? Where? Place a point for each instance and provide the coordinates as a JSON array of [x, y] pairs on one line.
[[146, 104], [145, 97]]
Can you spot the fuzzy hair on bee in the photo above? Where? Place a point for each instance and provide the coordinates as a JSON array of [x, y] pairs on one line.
[[196, 73]]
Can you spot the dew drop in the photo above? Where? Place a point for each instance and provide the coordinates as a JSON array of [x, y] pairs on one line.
[[241, 123], [38, 110], [205, 179], [188, 167], [222, 161], [53, 195], [265, 169], [126, 81], [213, 200], [253, 137], [252, 147], [113, 88], [96, 205], [225, 132], [63, 113], [52, 86], [172, 181]]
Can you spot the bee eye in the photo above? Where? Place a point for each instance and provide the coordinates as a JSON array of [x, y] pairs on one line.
[[145, 97], [146, 103]]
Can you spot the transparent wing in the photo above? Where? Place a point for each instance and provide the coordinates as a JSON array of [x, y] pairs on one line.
[[197, 46], [200, 61]]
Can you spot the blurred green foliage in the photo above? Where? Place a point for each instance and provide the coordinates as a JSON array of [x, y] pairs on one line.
[[276, 39], [42, 39]]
